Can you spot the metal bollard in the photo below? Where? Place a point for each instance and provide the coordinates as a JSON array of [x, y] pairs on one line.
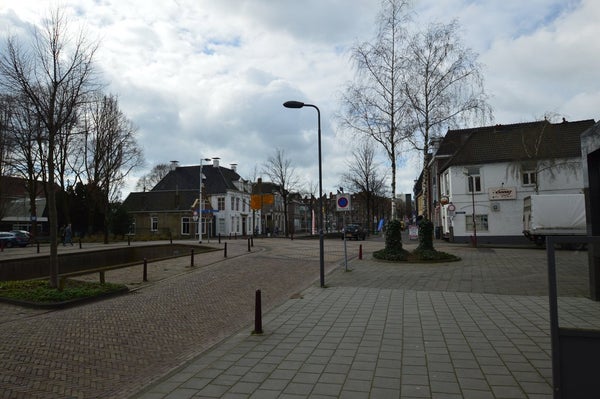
[[38, 246], [219, 238], [145, 274], [128, 240], [192, 260], [257, 315], [248, 245], [225, 251], [252, 241], [80, 243], [360, 251]]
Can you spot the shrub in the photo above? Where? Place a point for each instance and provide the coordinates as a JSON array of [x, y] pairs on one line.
[[393, 244]]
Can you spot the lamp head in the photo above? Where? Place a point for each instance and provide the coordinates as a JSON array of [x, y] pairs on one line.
[[293, 104]]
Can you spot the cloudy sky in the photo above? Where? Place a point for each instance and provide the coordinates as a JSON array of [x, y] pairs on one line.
[[205, 78]]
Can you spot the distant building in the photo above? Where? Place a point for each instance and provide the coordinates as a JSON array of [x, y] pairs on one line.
[[171, 207], [15, 206]]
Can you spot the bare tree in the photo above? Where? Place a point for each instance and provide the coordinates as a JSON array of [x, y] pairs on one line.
[[150, 179], [374, 104], [443, 85], [363, 177], [281, 173], [110, 153], [25, 154], [6, 112], [55, 74]]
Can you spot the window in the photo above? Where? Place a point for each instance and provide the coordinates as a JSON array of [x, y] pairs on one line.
[[481, 222], [474, 180], [232, 203], [154, 223], [185, 226], [221, 203], [237, 204], [132, 226], [446, 183], [529, 178]]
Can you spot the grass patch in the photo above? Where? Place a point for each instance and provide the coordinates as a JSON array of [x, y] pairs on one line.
[[40, 291]]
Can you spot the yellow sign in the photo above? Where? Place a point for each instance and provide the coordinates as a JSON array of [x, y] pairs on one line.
[[256, 202]]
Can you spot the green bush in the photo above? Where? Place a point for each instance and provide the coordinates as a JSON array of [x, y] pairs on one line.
[[393, 250], [425, 236]]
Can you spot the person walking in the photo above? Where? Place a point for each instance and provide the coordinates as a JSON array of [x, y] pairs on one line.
[[68, 235]]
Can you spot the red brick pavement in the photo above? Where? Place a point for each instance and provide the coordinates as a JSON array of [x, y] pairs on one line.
[[113, 348]]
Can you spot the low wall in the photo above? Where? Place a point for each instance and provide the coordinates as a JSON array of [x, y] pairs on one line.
[[39, 266]]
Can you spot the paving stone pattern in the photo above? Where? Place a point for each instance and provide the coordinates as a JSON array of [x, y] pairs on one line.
[[477, 328]]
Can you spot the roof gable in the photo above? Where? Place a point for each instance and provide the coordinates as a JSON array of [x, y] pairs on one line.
[[217, 179], [516, 142]]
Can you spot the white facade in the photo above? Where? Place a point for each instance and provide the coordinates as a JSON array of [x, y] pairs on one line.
[[233, 214], [497, 198]]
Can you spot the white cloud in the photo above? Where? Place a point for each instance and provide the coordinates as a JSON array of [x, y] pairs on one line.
[[208, 78]]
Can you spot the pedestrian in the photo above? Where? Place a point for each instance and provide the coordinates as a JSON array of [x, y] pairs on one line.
[[68, 235], [61, 234]]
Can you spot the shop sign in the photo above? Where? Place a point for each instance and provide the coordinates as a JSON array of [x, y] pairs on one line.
[[502, 193]]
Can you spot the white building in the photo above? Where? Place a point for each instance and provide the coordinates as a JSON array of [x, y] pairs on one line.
[[171, 207], [488, 171]]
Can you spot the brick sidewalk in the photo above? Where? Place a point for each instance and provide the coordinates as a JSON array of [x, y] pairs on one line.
[[117, 347]]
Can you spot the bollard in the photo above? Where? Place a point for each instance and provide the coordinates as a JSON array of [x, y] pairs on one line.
[[248, 245], [145, 275], [80, 243], [252, 241], [1, 246], [38, 247], [235, 235], [192, 260], [171, 237], [102, 277], [219, 238], [225, 251], [257, 315], [128, 240], [360, 251]]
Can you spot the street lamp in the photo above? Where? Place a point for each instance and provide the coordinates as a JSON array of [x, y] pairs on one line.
[[200, 203], [298, 104]]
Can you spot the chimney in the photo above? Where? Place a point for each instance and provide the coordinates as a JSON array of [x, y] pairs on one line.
[[216, 162], [234, 167], [174, 165]]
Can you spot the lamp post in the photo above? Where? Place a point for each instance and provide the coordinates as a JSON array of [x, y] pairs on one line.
[[200, 204], [298, 104]]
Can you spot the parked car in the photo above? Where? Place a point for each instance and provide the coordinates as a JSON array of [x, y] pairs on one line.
[[354, 231], [23, 235], [8, 240]]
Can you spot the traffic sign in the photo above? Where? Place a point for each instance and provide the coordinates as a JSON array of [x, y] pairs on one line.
[[343, 202]]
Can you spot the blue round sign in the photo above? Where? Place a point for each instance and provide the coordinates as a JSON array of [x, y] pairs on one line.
[[342, 202]]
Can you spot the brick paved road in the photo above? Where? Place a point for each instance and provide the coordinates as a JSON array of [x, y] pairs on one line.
[[113, 348]]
